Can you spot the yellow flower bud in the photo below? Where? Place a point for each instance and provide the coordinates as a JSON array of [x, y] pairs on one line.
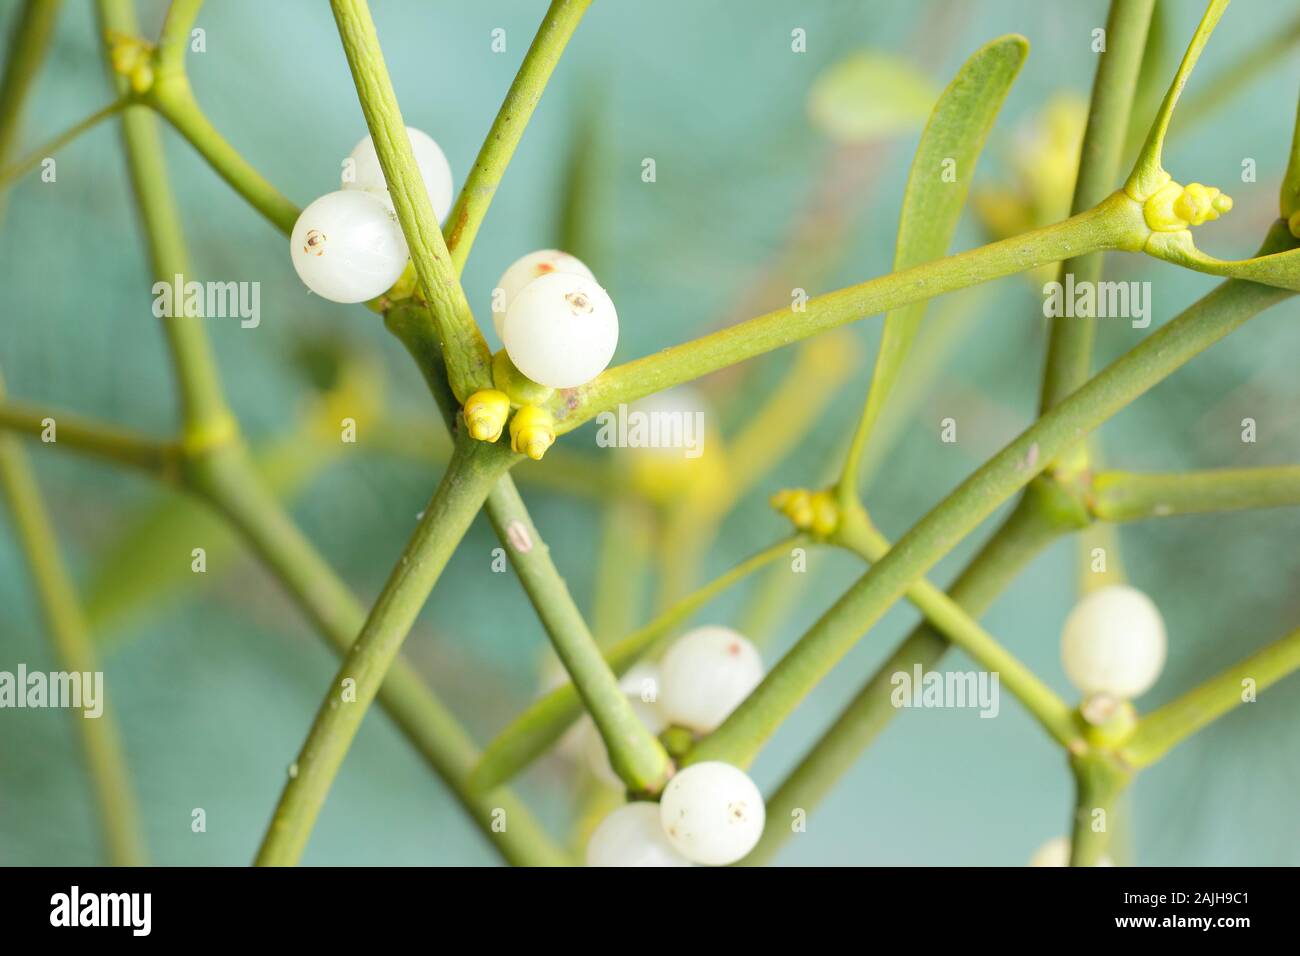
[[1173, 207], [1199, 204], [826, 514], [1294, 223], [133, 58], [532, 431], [814, 511], [142, 78], [798, 508], [485, 414]]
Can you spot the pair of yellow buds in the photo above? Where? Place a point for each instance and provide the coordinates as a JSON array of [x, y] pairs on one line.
[[532, 429], [814, 511], [1174, 207], [132, 58]]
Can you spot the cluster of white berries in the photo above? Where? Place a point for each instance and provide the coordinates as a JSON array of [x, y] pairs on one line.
[[1113, 643], [710, 813], [559, 327], [347, 246]]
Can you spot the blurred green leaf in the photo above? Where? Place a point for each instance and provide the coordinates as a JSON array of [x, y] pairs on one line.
[[586, 200], [868, 96], [936, 192], [149, 565]]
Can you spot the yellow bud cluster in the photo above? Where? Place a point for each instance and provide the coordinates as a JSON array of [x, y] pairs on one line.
[[814, 511], [1173, 207], [133, 58]]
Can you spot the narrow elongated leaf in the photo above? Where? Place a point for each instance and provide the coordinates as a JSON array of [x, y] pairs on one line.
[[936, 190]]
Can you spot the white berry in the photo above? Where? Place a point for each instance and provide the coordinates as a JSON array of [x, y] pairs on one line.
[[1113, 643], [705, 675], [1056, 852], [347, 246], [632, 836], [367, 175], [523, 271], [561, 330], [712, 813]]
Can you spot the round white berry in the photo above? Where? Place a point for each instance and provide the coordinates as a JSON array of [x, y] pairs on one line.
[[632, 836], [523, 271], [1113, 643], [347, 246], [712, 813], [366, 174], [705, 675], [561, 330], [1056, 852]]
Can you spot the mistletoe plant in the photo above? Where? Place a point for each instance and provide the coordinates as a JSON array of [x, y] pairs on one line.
[[378, 240]]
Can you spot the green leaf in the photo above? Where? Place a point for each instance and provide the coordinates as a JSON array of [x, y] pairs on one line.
[[150, 563], [585, 196], [1290, 200], [869, 96], [932, 203]]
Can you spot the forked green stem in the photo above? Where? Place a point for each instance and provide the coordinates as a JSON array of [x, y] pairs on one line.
[[473, 470], [743, 734]]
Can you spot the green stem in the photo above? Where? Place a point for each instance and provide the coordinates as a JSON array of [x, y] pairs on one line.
[[1026, 531], [29, 42], [225, 478], [1280, 269], [98, 439], [544, 722], [466, 354], [1055, 716], [1098, 782], [69, 634], [473, 470], [1148, 173], [33, 159], [1115, 224], [743, 734], [174, 100], [204, 414], [1247, 66], [508, 128], [1126, 496], [263, 522], [1069, 347], [175, 37], [634, 752], [1161, 730], [75, 652]]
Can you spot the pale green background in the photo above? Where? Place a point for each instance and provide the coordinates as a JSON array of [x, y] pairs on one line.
[[214, 696]]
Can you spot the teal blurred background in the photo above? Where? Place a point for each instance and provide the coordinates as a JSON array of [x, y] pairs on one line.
[[215, 689]]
